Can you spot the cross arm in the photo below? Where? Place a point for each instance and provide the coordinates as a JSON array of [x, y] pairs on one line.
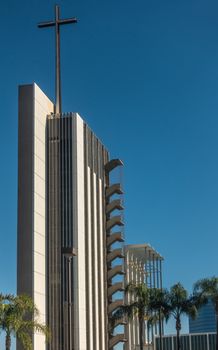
[[67, 20], [46, 24], [60, 21]]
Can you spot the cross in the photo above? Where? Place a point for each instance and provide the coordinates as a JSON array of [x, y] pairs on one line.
[[57, 23]]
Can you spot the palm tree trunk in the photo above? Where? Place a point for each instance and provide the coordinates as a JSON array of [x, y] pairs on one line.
[[160, 331], [141, 336], [148, 332], [178, 328], [178, 339], [8, 341]]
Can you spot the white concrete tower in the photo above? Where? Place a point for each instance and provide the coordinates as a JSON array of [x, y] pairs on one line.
[[34, 107], [65, 200]]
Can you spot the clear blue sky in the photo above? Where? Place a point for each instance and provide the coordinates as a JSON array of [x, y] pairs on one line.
[[144, 75]]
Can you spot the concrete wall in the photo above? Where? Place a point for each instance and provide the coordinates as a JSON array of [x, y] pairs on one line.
[[34, 106], [89, 237], [87, 215]]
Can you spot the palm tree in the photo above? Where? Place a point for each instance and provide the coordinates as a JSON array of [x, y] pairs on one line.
[[178, 303], [139, 307], [208, 288], [158, 306], [18, 317]]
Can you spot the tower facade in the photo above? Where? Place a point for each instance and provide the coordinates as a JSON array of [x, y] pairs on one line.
[[66, 201]]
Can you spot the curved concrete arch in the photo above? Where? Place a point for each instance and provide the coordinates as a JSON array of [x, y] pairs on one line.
[[115, 220], [115, 204], [117, 339], [119, 322], [116, 253], [116, 287], [117, 270], [114, 305], [115, 188], [114, 237], [112, 164]]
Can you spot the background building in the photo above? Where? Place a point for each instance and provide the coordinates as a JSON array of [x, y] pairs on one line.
[[205, 321], [204, 341], [142, 265], [66, 199]]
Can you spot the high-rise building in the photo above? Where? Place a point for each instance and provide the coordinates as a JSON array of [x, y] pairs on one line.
[[67, 203], [143, 264], [205, 320]]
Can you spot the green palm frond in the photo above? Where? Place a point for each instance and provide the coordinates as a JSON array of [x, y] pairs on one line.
[[25, 339], [139, 290], [207, 288], [140, 296], [29, 326], [18, 317], [207, 284], [154, 319], [126, 311]]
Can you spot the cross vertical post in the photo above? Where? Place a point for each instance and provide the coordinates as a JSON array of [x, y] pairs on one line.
[[57, 62], [56, 23]]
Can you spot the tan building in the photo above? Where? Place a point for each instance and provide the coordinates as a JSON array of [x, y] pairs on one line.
[[67, 203], [143, 264]]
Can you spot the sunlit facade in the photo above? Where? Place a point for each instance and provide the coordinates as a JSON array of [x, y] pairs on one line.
[[67, 199]]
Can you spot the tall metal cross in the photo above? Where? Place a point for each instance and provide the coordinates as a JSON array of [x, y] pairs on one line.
[[57, 23]]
